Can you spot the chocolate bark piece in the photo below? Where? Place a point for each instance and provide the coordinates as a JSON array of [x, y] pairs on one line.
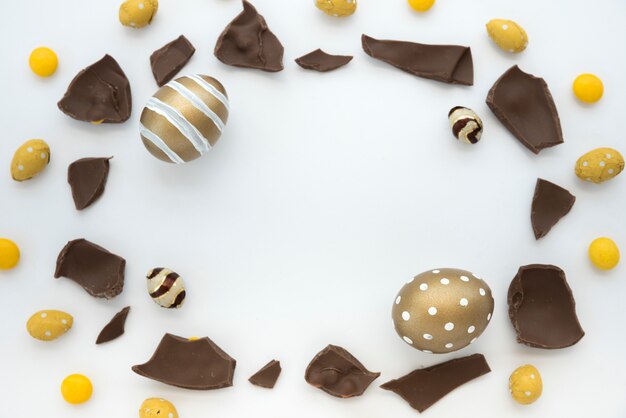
[[319, 60], [423, 387], [447, 63], [267, 376], [98, 271], [338, 373], [524, 105], [168, 60], [115, 327], [87, 178], [248, 42], [550, 204], [100, 93], [542, 308], [191, 364]]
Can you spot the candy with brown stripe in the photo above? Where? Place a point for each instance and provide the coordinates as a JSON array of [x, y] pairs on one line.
[[166, 287], [466, 125]]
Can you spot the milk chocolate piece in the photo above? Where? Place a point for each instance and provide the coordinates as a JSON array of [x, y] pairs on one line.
[[167, 61], [542, 308], [100, 93], [524, 105], [247, 42], [191, 364], [447, 63], [319, 60], [338, 373], [87, 178], [98, 271], [267, 376], [423, 387], [550, 204], [115, 327]]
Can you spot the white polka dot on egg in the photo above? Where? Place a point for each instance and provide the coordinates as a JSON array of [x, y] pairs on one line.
[[436, 271], [489, 316], [428, 337], [445, 281], [482, 292], [432, 311], [407, 340], [464, 278], [423, 286], [449, 326], [427, 351], [463, 302], [398, 299], [449, 345], [406, 316], [471, 329]]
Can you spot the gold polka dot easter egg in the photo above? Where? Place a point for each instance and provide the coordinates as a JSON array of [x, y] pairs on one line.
[[337, 8], [30, 159], [508, 35], [599, 165], [185, 118], [138, 13], [49, 325], [157, 408], [442, 310], [525, 384]]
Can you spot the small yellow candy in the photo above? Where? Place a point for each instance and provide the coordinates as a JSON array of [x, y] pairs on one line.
[[43, 61], [9, 254], [30, 159], [604, 253], [76, 389], [138, 13], [599, 165], [421, 5], [525, 384], [49, 325], [508, 35], [337, 8], [157, 408], [588, 88]]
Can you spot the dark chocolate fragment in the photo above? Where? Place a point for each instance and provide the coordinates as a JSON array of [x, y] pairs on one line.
[[423, 387], [167, 61], [542, 308], [319, 60], [98, 271], [267, 376], [447, 63], [191, 364], [87, 178], [338, 373], [247, 42], [524, 105], [550, 204], [100, 93], [115, 327]]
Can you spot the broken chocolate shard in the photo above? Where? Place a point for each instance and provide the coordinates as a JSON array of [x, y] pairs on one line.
[[542, 308], [338, 373], [168, 60], [191, 364], [267, 376], [319, 60], [423, 387], [87, 178], [100, 94], [447, 63], [524, 105], [98, 271], [115, 327], [550, 204], [247, 42]]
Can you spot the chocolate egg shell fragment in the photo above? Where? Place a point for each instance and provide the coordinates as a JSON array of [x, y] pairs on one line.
[[338, 373], [465, 124], [100, 93], [168, 60], [542, 308], [166, 288], [267, 376], [191, 364], [115, 327], [319, 60], [524, 105], [87, 178], [550, 204]]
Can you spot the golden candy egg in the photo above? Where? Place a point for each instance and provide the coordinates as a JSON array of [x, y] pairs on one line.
[[604, 253], [9, 254], [337, 8], [49, 325], [588, 88], [76, 389], [43, 61], [599, 165], [157, 408], [525, 384], [421, 5], [30, 159], [508, 35], [138, 13]]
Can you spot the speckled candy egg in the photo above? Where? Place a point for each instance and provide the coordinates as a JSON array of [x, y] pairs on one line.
[[157, 408], [442, 310], [599, 165], [337, 8]]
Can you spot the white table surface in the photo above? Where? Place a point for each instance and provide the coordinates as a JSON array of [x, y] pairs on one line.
[[324, 195]]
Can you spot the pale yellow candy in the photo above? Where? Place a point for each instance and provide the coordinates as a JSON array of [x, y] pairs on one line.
[[508, 35], [138, 13], [157, 408], [30, 159], [599, 165], [525, 384], [337, 8], [49, 325]]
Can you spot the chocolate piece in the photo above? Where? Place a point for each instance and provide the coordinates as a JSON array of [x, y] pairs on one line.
[[542, 308], [338, 373], [524, 105], [191, 364], [319, 60], [447, 63], [115, 327], [247, 42], [100, 93], [267, 376], [550, 204], [423, 387], [98, 271], [167, 61], [87, 178]]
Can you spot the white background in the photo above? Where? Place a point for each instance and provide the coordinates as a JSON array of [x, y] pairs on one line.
[[325, 194]]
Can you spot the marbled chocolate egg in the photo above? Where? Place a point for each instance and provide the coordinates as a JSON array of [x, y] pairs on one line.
[[166, 288], [442, 310], [185, 118], [465, 124]]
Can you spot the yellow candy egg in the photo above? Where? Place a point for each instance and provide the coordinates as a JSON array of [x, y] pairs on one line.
[[599, 165], [337, 8], [9, 254], [43, 61], [76, 389], [138, 13], [604, 253], [30, 159], [508, 35], [49, 325], [525, 384], [157, 408], [588, 88], [421, 5]]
